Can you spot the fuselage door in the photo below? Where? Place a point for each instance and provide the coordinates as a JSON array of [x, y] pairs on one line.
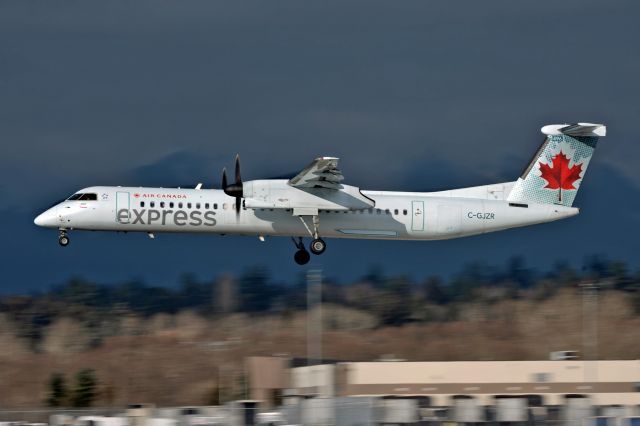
[[123, 207], [417, 215]]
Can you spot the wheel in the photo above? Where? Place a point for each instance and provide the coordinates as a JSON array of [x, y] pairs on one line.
[[63, 240], [302, 257], [317, 246]]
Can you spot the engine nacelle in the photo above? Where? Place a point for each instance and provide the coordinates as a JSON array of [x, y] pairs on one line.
[[278, 194]]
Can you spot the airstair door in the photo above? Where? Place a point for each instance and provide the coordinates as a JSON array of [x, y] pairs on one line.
[[417, 215], [123, 207]]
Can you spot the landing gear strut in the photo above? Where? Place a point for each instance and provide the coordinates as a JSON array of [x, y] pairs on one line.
[[301, 256], [317, 246], [63, 239]]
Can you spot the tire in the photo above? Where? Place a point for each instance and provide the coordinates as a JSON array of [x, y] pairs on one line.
[[302, 257], [63, 241], [318, 246]]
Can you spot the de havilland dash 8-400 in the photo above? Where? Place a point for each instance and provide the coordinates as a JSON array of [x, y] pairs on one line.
[[316, 204]]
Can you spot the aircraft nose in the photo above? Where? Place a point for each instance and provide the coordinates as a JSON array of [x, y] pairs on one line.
[[47, 219]]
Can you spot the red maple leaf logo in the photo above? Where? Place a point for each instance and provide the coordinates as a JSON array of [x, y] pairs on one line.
[[560, 175], [136, 195]]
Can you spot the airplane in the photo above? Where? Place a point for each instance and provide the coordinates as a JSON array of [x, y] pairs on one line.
[[316, 204]]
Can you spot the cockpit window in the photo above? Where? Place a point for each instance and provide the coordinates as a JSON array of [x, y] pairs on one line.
[[84, 197]]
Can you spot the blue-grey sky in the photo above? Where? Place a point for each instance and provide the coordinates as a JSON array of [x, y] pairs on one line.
[[411, 95]]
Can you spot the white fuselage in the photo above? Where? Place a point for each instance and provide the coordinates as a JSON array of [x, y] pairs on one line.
[[395, 215]]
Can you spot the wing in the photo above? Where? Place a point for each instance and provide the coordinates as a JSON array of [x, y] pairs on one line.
[[321, 173]]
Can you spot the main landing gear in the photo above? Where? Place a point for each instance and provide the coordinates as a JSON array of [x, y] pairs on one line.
[[63, 238], [301, 256], [317, 246]]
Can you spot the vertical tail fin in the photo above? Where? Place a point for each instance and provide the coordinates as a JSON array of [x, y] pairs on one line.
[[558, 167]]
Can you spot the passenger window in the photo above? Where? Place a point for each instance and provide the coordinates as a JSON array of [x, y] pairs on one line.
[[206, 206], [395, 211], [225, 206], [197, 205], [215, 206], [378, 211], [404, 212], [162, 204], [188, 205], [152, 204], [179, 205], [171, 204], [387, 211], [141, 203]]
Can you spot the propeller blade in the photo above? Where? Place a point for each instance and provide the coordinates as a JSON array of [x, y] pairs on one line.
[[235, 189], [224, 178], [238, 177]]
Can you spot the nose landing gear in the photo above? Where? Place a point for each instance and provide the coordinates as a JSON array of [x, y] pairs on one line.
[[63, 239]]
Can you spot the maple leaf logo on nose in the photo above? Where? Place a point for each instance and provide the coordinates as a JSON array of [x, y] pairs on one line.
[[559, 175]]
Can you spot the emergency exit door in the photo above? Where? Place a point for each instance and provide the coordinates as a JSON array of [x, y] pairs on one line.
[[123, 207], [417, 215]]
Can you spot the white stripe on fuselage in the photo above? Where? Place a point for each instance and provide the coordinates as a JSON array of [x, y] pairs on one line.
[[420, 216]]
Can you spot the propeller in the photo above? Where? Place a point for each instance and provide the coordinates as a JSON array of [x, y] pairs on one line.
[[234, 189]]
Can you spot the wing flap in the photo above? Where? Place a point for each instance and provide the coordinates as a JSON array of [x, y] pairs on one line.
[[323, 172]]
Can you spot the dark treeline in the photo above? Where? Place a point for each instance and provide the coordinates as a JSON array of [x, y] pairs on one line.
[[394, 300]]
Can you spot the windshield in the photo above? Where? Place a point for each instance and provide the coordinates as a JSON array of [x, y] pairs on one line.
[[84, 197]]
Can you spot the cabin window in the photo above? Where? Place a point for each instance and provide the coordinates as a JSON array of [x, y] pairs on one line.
[[162, 204], [206, 206], [215, 206], [188, 205], [180, 205], [152, 204], [395, 212], [404, 212], [387, 211], [225, 206], [141, 203], [171, 204], [197, 205], [378, 211]]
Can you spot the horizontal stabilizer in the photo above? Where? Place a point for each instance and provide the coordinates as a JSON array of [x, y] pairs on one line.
[[578, 129]]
